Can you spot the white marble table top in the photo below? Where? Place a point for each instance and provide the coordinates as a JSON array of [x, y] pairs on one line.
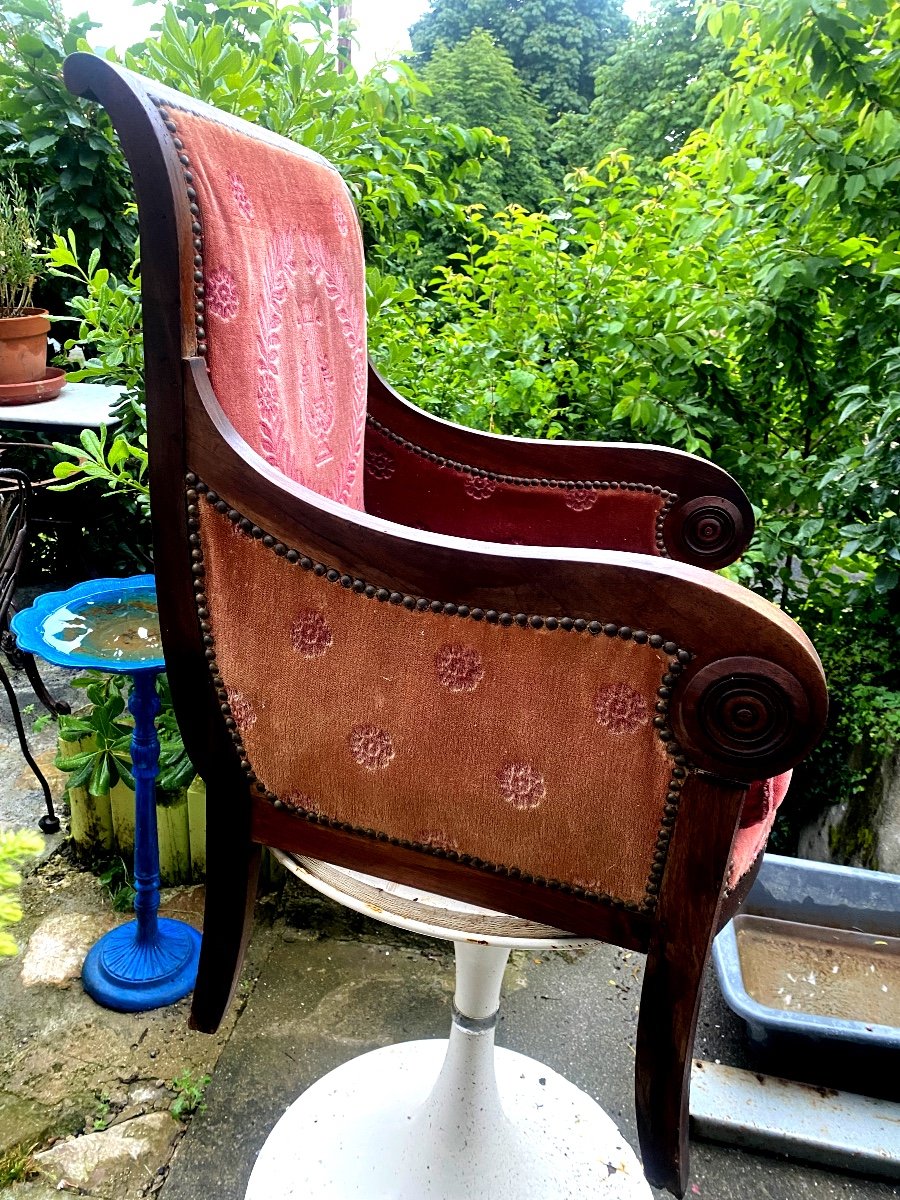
[[79, 405]]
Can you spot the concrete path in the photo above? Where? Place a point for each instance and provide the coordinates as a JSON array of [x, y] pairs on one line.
[[333, 985]]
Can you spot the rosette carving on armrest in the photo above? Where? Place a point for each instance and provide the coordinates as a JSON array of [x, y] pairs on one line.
[[708, 531], [748, 718]]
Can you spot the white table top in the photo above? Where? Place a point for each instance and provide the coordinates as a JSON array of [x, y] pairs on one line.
[[79, 405]]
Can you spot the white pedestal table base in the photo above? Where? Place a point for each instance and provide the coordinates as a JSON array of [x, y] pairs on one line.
[[377, 1128]]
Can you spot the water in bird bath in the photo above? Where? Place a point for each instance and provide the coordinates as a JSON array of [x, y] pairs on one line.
[[124, 629]]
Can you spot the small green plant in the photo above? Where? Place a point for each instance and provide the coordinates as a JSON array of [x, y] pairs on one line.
[[188, 1094], [109, 760], [108, 310], [121, 465], [20, 263], [114, 878], [107, 722], [15, 1165], [14, 848], [40, 722], [101, 1114]]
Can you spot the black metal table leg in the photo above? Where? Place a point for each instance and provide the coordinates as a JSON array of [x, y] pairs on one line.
[[49, 823], [21, 660]]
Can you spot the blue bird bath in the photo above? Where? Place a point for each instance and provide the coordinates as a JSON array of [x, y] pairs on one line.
[[113, 625]]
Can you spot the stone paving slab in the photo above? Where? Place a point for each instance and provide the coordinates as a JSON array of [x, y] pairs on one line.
[[112, 1163]]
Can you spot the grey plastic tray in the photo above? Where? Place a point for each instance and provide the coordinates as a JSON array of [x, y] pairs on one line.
[[814, 894]]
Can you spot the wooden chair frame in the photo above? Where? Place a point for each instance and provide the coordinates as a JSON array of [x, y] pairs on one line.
[[715, 692]]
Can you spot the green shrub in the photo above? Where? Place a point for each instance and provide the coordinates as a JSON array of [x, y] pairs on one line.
[[14, 849]]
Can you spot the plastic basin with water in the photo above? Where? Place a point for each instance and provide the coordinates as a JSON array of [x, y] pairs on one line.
[[812, 965]]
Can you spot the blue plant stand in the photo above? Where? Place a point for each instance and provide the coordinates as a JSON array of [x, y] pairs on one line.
[[112, 625]]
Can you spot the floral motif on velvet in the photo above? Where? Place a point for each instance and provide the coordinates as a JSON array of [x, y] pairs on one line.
[[459, 668], [479, 487], [619, 708], [317, 397], [330, 274], [521, 785], [379, 465], [311, 634], [279, 271], [340, 217], [581, 499], [279, 218], [221, 294], [242, 710], [241, 197], [371, 747]]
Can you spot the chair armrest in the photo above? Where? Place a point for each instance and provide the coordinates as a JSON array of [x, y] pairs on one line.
[[427, 472], [750, 699]]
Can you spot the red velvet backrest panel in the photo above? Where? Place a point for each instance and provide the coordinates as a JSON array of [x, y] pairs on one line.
[[417, 487], [281, 257]]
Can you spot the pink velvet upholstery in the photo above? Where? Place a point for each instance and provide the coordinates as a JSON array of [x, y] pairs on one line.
[[527, 748], [760, 810], [284, 280], [284, 310]]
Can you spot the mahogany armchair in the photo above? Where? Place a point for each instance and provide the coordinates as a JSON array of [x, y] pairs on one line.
[[490, 667]]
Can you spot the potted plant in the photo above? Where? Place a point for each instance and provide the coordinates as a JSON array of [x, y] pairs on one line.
[[24, 375]]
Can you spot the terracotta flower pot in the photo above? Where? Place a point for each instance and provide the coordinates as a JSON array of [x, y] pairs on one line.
[[23, 347]]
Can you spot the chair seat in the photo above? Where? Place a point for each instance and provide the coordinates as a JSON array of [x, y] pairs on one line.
[[423, 912]]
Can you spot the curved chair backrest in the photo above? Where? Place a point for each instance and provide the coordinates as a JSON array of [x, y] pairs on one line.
[[278, 265], [568, 735]]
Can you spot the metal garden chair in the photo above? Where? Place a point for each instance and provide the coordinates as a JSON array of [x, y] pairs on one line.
[[15, 497]]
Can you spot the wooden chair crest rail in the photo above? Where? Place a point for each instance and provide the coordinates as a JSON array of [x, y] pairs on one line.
[[489, 667]]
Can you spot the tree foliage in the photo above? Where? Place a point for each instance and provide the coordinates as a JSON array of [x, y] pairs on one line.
[[56, 143], [555, 45], [475, 84], [651, 93]]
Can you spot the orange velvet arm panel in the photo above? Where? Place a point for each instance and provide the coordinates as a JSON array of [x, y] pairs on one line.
[[433, 475], [528, 749]]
